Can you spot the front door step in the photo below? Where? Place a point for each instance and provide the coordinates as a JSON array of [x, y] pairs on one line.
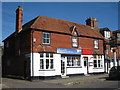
[[87, 75], [65, 76]]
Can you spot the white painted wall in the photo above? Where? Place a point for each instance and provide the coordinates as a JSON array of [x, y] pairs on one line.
[[96, 70], [57, 66], [36, 66], [70, 70]]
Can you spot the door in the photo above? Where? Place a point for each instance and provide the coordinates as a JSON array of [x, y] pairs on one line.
[[86, 65], [63, 67]]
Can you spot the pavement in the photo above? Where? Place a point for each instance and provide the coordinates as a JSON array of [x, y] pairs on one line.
[[72, 81]]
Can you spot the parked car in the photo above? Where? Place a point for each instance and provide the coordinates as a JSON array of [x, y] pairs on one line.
[[114, 73]]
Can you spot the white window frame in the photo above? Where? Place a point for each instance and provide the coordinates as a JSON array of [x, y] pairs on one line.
[[74, 41], [45, 38], [96, 44], [107, 34], [118, 36], [73, 61], [44, 58], [99, 64]]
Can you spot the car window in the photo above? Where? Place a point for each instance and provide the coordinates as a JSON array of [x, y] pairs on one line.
[[113, 69], [118, 68]]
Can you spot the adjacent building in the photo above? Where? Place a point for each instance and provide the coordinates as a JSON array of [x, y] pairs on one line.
[[1, 53], [50, 47], [111, 47]]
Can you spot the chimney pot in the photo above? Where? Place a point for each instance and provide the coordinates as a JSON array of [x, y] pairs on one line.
[[92, 22]]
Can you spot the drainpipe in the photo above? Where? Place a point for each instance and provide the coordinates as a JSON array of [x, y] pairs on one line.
[[114, 56], [32, 71]]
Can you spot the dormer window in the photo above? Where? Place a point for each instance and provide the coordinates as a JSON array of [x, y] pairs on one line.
[[118, 36], [107, 34], [74, 32]]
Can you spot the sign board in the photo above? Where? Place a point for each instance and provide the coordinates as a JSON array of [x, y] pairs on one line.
[[86, 51], [69, 51]]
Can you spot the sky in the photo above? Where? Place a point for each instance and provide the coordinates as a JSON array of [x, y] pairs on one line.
[[105, 12]]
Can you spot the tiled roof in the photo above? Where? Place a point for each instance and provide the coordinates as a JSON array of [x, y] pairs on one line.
[[61, 26]]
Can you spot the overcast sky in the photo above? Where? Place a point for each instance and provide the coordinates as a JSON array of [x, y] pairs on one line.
[[105, 12]]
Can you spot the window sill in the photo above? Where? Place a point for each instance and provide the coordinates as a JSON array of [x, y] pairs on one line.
[[74, 67], [47, 70], [98, 68]]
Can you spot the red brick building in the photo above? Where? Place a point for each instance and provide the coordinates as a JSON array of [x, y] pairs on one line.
[[49, 47], [111, 47]]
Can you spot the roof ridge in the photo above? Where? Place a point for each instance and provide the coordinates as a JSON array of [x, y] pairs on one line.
[[64, 20], [35, 20]]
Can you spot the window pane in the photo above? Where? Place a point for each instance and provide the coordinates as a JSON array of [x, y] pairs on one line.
[[95, 63], [47, 63], [85, 63], [74, 41], [51, 62], [47, 41], [78, 62], [47, 54], [44, 41], [98, 63], [51, 55], [48, 35], [41, 55], [41, 64]]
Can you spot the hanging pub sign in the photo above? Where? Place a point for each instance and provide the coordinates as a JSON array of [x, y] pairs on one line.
[[69, 51]]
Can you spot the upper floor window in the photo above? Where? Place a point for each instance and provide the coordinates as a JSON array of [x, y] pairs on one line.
[[46, 38], [107, 34], [96, 46], [7, 44], [118, 36], [75, 41]]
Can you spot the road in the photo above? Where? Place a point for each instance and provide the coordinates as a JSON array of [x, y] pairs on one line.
[[13, 83]]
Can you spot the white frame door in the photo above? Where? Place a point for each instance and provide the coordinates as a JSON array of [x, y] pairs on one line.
[[63, 66]]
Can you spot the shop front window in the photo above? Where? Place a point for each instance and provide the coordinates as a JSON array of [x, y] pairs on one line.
[[73, 61], [97, 61]]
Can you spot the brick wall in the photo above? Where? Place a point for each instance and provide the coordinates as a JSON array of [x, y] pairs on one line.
[[65, 41]]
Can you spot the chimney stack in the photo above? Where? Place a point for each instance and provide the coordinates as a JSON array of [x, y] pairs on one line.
[[19, 14], [92, 22]]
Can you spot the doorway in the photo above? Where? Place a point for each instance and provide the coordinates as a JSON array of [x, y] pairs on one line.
[[86, 65], [63, 66]]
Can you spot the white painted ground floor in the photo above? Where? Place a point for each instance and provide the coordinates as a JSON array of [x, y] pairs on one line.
[[52, 64]]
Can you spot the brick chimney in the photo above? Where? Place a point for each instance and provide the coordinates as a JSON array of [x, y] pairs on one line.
[[19, 14], [92, 22]]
